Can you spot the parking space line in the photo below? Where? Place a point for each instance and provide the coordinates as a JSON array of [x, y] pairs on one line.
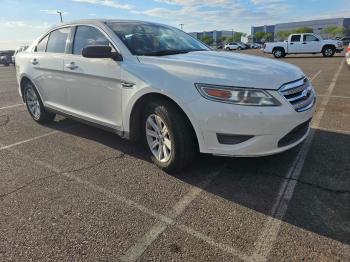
[[3, 147], [28, 140], [13, 106], [346, 97], [322, 107], [136, 251], [280, 206], [164, 220], [316, 75]]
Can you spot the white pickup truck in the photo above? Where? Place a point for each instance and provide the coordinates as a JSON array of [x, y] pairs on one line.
[[304, 44]]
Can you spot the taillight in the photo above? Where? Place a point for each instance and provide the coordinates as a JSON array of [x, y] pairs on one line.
[[349, 49]]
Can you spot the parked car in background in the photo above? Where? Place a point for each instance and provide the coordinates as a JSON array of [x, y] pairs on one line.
[[18, 50], [137, 79], [304, 44], [345, 40], [348, 55], [4, 59], [231, 46], [235, 46], [255, 46], [243, 45]]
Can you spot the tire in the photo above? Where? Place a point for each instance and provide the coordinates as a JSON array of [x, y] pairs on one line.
[[328, 51], [239, 48], [228, 49], [35, 106], [279, 53], [177, 138]]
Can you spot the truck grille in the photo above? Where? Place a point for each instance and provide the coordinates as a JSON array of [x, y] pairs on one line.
[[299, 93]]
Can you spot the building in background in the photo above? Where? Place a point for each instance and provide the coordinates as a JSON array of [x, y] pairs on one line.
[[318, 26], [216, 35]]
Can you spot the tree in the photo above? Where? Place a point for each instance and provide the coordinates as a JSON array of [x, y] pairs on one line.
[[333, 31], [208, 40], [302, 30], [238, 36], [283, 35]]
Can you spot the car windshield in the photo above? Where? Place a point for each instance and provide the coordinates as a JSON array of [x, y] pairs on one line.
[[147, 39]]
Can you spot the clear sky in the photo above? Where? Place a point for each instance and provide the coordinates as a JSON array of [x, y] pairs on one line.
[[21, 21]]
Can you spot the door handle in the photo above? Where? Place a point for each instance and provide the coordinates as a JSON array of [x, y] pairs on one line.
[[304, 43], [127, 84], [35, 61], [292, 43], [71, 66]]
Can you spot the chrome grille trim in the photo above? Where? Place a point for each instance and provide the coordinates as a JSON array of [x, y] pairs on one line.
[[299, 94]]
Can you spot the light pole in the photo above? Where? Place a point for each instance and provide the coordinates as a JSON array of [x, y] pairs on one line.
[[232, 34], [60, 13], [181, 25]]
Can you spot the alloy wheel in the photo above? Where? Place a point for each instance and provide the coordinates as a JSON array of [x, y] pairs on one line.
[[158, 138], [32, 102]]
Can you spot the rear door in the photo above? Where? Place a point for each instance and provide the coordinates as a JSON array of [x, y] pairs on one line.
[[294, 45], [94, 84], [47, 62], [311, 44]]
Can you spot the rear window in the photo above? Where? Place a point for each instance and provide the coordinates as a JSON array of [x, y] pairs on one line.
[[57, 40]]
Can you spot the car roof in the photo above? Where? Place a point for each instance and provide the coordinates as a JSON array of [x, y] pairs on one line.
[[102, 21]]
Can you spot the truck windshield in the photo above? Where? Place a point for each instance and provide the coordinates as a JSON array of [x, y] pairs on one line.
[[147, 39]]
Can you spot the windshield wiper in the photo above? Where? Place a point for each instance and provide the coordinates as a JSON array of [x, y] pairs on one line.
[[165, 52]]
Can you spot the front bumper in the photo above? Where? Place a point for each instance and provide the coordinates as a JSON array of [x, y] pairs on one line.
[[267, 126]]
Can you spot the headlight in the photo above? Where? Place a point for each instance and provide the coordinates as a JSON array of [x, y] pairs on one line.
[[238, 96]]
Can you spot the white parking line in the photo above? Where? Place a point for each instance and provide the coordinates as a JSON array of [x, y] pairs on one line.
[[28, 140], [316, 75], [280, 206], [346, 97], [322, 107], [13, 106], [136, 251]]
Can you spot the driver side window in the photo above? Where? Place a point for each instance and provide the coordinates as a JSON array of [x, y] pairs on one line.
[[88, 35]]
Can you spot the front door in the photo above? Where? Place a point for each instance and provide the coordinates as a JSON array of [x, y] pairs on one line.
[[94, 84], [311, 44]]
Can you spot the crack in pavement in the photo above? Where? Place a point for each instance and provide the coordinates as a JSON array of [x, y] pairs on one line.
[[56, 173]]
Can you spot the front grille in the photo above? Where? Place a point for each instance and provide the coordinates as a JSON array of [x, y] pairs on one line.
[[296, 134], [299, 94]]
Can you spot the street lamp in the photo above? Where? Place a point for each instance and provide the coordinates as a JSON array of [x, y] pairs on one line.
[[181, 25], [60, 13]]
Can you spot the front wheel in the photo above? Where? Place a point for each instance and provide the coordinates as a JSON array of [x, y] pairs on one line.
[[34, 104], [328, 52], [228, 49], [169, 136]]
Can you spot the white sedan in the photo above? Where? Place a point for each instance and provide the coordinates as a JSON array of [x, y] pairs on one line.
[[154, 83]]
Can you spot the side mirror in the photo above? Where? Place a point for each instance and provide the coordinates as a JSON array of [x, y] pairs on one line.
[[100, 51]]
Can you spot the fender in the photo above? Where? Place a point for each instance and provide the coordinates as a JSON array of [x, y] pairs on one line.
[[149, 90]]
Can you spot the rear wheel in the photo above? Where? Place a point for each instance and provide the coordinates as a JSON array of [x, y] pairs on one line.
[[168, 136], [328, 51], [34, 104], [279, 53]]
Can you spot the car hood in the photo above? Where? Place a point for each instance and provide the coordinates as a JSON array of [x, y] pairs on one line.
[[223, 68]]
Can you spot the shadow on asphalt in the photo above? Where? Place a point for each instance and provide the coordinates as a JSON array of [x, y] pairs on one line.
[[321, 198]]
